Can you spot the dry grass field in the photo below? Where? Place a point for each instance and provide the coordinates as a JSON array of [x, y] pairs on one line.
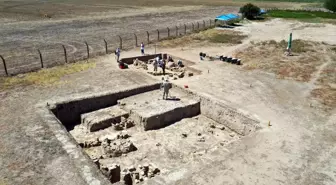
[[47, 25], [28, 9], [292, 97]]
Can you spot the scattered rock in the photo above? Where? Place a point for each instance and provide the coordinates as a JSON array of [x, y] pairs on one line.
[[96, 161], [136, 175], [127, 178], [118, 126], [158, 144], [222, 127], [199, 134], [223, 143], [175, 78], [184, 135], [111, 172], [202, 139], [20, 75], [115, 148], [125, 123], [180, 75], [212, 126], [122, 103], [232, 134], [90, 143], [132, 169], [190, 74], [123, 135]]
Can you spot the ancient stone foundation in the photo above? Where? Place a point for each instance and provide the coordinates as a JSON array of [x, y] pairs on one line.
[[113, 129]]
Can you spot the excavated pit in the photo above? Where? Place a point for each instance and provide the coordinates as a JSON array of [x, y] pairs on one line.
[[134, 135]]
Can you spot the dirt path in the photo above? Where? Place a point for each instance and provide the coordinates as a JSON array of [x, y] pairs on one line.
[[316, 75]]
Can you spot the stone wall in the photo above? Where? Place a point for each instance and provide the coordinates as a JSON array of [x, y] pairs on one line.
[[226, 115], [172, 116], [141, 58], [69, 111]]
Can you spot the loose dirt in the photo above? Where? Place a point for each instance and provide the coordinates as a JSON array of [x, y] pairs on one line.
[[295, 146]]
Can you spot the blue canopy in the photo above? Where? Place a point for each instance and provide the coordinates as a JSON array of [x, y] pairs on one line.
[[227, 17], [262, 11]]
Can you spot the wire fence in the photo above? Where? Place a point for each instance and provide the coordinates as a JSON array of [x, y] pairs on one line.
[[33, 58], [43, 55]]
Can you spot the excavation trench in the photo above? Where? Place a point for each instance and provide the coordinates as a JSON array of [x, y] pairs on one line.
[[134, 135]]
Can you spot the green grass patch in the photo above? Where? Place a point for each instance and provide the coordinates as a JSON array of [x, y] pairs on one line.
[[301, 14], [296, 1], [227, 38]]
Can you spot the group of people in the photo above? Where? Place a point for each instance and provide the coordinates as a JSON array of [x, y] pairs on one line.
[[159, 62]]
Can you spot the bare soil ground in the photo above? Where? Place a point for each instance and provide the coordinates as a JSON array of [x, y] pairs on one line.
[[47, 25], [298, 147], [21, 39]]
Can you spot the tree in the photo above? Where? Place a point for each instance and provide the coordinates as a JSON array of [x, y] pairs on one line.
[[330, 5], [250, 11]]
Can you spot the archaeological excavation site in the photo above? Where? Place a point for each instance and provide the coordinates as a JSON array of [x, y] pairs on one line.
[[134, 136]]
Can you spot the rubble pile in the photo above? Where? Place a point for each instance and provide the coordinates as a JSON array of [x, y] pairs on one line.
[[116, 147], [140, 64], [124, 124], [90, 143], [133, 175], [112, 172]]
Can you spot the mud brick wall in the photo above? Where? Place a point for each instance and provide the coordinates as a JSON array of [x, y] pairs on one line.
[[141, 58], [228, 116], [169, 117], [225, 115], [69, 111]]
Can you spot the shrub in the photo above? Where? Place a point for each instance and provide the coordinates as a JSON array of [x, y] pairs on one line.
[[250, 11], [330, 5]]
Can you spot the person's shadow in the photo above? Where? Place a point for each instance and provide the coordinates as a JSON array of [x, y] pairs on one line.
[[173, 98]]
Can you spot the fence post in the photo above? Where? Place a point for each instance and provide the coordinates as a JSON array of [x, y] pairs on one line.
[[87, 49], [106, 51], [147, 37], [41, 60], [193, 26], [158, 35], [168, 32], [65, 54], [185, 29], [120, 44], [176, 31], [4, 64], [136, 40], [197, 25], [203, 24]]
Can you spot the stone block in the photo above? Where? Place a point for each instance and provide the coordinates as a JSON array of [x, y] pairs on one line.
[[102, 118]]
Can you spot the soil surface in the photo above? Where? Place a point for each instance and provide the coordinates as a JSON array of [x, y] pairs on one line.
[[295, 146], [21, 39]]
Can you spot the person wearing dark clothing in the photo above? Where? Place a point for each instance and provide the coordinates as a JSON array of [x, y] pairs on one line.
[[163, 67], [201, 55], [170, 59]]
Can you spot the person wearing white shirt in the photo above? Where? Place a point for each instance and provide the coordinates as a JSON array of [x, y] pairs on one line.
[[142, 48]]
